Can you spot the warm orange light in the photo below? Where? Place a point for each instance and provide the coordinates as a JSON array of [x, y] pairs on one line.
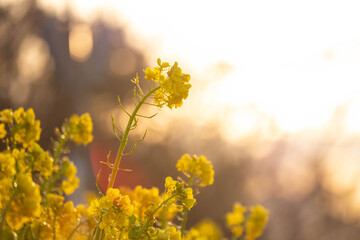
[[80, 42]]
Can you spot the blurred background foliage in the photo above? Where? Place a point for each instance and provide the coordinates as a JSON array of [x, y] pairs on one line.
[[60, 64]]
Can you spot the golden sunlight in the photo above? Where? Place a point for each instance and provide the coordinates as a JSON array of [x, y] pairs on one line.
[[259, 69], [80, 42]]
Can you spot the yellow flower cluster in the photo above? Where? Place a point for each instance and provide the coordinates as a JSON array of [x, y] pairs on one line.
[[112, 213], [27, 129], [254, 223], [142, 198], [175, 189], [61, 220], [168, 233], [197, 167], [79, 129], [2, 131], [174, 87], [25, 204], [41, 159], [236, 219], [205, 230], [32, 181], [69, 172]]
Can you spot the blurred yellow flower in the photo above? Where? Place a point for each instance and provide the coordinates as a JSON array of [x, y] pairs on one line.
[[197, 166], [26, 204], [2, 130], [42, 161], [28, 129], [80, 129], [71, 183], [6, 116], [256, 223]]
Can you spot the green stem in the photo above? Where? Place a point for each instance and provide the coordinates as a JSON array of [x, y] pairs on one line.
[[125, 138], [49, 181], [59, 148], [75, 229], [183, 222]]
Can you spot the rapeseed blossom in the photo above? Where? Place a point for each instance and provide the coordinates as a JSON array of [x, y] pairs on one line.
[[26, 202], [256, 223], [34, 182], [235, 219], [79, 129], [174, 87], [71, 183], [2, 130], [6, 116], [197, 167], [27, 129], [205, 230], [41, 159]]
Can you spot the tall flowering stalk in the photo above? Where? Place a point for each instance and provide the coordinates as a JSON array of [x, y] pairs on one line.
[[172, 90]]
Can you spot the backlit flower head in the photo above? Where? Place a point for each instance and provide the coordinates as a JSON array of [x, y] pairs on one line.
[[256, 223], [198, 167], [174, 85], [27, 129]]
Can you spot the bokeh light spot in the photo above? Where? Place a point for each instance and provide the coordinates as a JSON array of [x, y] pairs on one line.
[[80, 42]]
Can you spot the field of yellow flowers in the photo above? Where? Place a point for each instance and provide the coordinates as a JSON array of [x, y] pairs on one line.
[[34, 182]]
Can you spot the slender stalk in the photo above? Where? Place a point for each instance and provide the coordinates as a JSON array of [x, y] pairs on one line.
[[75, 229], [125, 138], [61, 145]]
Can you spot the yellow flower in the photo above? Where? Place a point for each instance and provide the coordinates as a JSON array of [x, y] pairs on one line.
[[123, 202], [54, 201], [189, 200], [197, 166], [170, 185], [114, 209], [6, 116], [72, 182], [206, 172], [142, 198], [256, 223], [94, 208], [2, 130], [168, 233], [80, 129], [21, 159], [237, 216], [174, 87], [61, 220], [235, 219], [6, 186], [28, 129], [7, 165], [26, 204], [42, 160], [205, 230]]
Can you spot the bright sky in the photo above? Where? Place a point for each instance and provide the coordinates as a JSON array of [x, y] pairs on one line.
[[290, 61]]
